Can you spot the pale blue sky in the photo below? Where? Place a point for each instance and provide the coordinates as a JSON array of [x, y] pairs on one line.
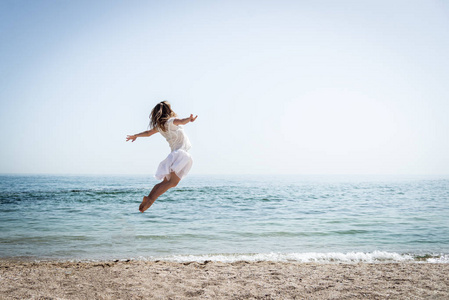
[[280, 87]]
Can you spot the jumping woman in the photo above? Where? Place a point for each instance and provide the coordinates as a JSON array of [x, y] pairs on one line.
[[178, 163]]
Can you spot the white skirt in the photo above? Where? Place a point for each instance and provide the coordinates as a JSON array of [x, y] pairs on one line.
[[178, 161]]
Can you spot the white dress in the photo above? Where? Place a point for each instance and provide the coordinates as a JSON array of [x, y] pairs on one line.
[[179, 160]]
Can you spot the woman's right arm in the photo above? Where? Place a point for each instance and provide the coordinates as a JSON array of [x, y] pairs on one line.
[[142, 134], [185, 120]]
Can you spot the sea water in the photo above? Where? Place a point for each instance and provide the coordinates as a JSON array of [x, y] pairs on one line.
[[226, 218]]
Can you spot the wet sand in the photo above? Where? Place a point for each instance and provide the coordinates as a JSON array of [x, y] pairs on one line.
[[215, 280]]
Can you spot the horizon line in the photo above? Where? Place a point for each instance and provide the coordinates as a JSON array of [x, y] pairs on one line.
[[227, 174]]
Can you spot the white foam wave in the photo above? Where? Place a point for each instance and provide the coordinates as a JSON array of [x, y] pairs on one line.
[[332, 257], [443, 259]]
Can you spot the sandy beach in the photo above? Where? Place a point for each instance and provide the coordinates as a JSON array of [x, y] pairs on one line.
[[216, 280]]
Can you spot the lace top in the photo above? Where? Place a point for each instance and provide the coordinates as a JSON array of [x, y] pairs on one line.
[[175, 136]]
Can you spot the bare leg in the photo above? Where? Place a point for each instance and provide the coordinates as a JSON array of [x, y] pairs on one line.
[[158, 190]]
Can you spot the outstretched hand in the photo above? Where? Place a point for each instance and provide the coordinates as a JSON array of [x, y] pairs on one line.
[[192, 119], [131, 137]]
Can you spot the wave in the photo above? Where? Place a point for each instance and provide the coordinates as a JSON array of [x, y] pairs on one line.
[[310, 257], [13, 197]]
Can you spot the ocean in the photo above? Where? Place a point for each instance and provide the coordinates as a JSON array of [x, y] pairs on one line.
[[226, 218]]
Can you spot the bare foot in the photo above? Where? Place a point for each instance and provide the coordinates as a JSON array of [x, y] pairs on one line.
[[146, 203]]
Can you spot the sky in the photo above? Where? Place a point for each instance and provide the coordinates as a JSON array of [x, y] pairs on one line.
[[280, 87]]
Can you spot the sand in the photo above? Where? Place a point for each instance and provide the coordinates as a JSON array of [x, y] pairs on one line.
[[216, 280]]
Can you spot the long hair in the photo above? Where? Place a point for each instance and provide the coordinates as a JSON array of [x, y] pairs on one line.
[[160, 114]]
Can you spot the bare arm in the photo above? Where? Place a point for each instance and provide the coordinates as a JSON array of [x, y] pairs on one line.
[[142, 134], [185, 120]]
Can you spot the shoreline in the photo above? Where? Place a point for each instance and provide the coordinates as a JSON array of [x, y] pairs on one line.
[[306, 257], [132, 279]]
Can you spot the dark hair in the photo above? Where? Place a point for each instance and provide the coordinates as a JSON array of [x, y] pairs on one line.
[[160, 114]]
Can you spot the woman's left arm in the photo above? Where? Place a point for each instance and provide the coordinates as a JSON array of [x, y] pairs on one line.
[[185, 120], [133, 137]]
